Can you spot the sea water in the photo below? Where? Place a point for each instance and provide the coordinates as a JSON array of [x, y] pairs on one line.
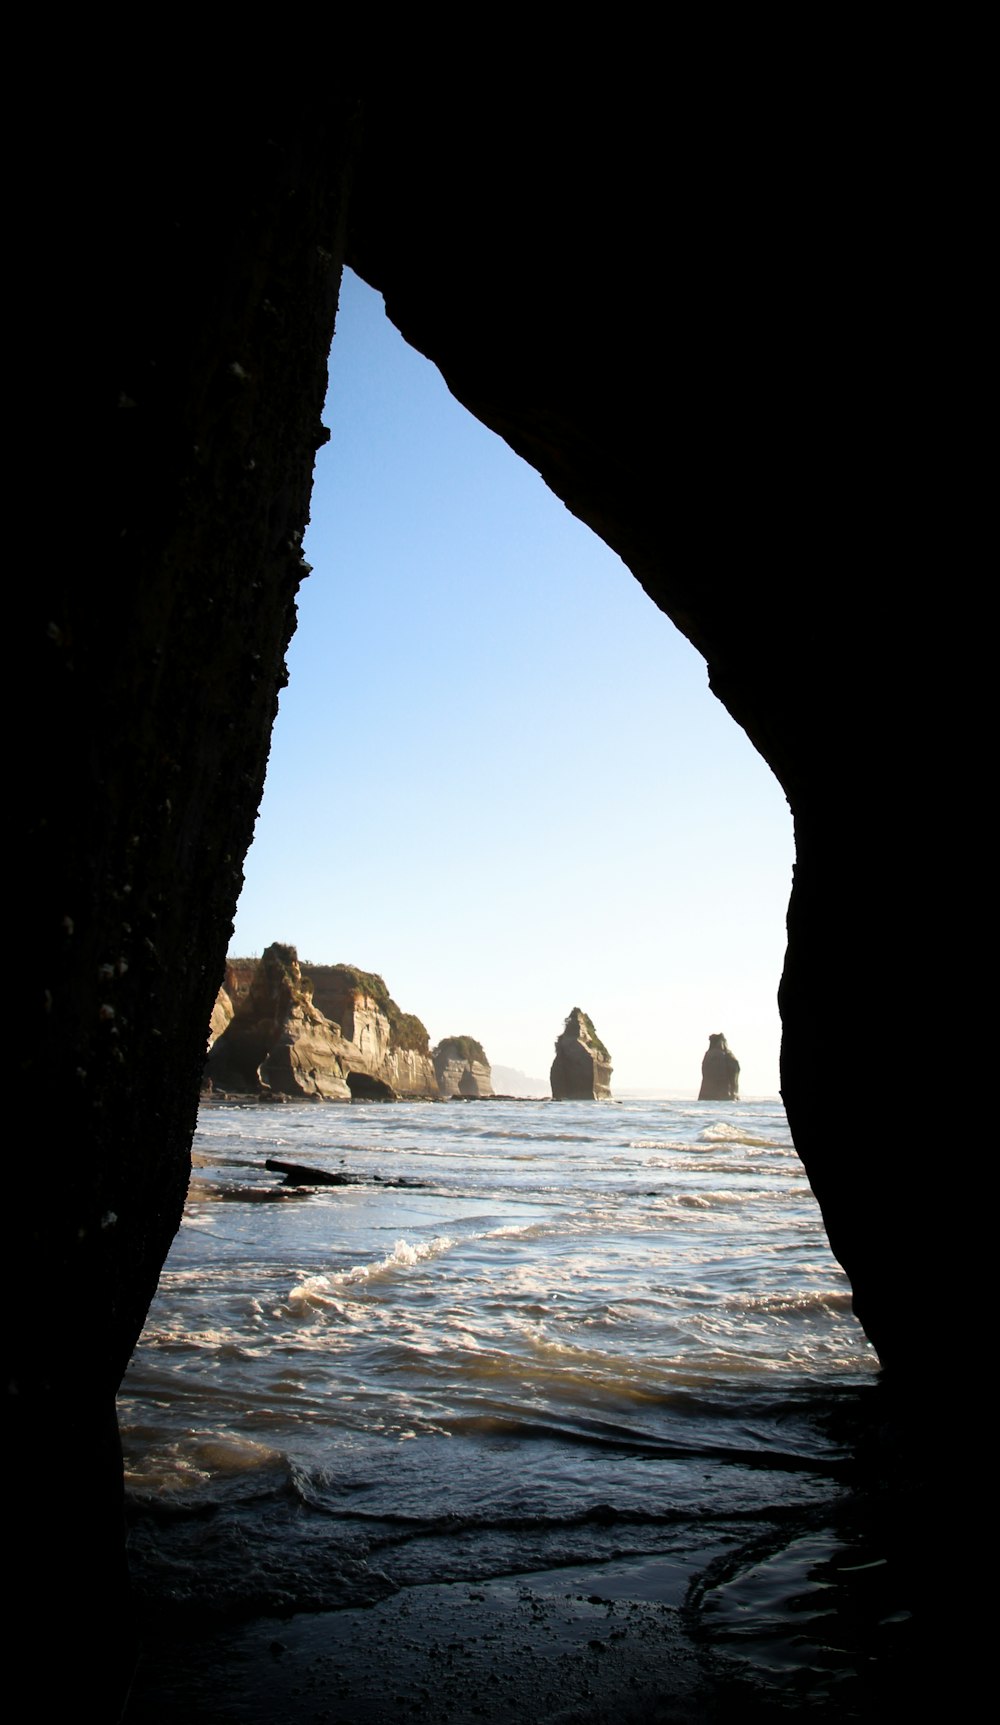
[[525, 1336]]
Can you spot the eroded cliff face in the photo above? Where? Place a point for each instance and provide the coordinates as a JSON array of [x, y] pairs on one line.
[[409, 1073], [318, 1030], [393, 1044], [222, 1015], [581, 1070], [239, 977], [720, 1072], [341, 995], [461, 1068], [278, 1042]]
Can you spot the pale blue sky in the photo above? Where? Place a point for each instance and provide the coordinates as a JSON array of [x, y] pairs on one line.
[[498, 776]]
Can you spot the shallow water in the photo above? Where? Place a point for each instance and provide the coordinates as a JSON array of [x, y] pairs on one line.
[[571, 1334]]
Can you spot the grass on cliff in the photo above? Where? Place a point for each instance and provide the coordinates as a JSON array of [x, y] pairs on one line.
[[461, 1048], [406, 1032]]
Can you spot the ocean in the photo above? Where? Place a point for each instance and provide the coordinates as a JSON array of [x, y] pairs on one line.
[[573, 1340]]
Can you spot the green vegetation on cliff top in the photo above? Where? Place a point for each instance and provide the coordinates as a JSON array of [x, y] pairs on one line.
[[405, 1030], [461, 1048]]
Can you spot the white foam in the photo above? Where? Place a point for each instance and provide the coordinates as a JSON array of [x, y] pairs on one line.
[[322, 1290], [723, 1133]]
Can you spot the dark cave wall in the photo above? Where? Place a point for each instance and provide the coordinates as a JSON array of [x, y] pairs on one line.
[[159, 662], [669, 341], [677, 343], [154, 655]]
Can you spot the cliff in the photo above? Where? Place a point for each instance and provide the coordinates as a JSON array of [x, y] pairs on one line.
[[222, 1015], [393, 1045], [240, 973], [327, 1030], [277, 1041], [581, 1070], [720, 1072], [462, 1068]]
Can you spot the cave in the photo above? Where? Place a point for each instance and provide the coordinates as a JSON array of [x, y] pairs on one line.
[[365, 1088], [682, 348]]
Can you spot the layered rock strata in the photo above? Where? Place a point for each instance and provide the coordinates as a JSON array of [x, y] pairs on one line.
[[581, 1070], [720, 1072], [393, 1045], [461, 1068]]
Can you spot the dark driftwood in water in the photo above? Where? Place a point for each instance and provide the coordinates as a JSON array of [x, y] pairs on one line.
[[297, 1174]]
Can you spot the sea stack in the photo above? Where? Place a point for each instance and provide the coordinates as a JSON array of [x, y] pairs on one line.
[[581, 1070], [720, 1072], [461, 1067]]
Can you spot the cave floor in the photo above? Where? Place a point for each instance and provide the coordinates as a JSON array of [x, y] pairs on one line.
[[551, 1648]]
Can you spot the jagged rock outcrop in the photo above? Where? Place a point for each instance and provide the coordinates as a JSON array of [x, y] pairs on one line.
[[327, 1012], [581, 1070], [461, 1067], [278, 1041], [720, 1072]]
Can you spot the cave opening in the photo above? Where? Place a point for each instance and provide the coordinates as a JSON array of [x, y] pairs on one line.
[[554, 808], [158, 662], [365, 1088]]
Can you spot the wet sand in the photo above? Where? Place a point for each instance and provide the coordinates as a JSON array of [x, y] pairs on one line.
[[569, 1647]]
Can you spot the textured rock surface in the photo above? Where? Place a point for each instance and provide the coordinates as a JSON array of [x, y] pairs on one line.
[[339, 1025], [720, 1072], [393, 1045], [461, 1067], [410, 1073], [278, 1040], [222, 1015], [341, 995], [581, 1070]]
